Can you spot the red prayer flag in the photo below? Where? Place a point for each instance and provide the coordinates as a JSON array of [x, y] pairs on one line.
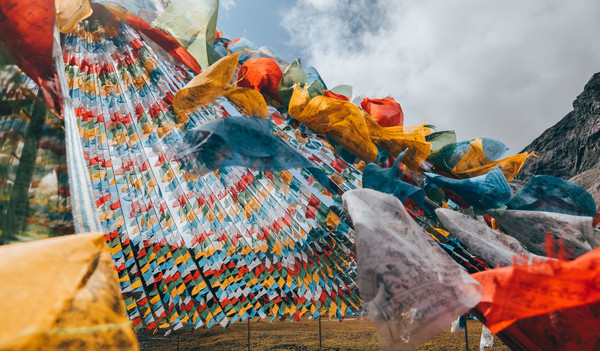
[[261, 74], [27, 30], [333, 95], [387, 112], [571, 329]]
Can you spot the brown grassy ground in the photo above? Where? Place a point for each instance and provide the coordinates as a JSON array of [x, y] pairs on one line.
[[304, 335]]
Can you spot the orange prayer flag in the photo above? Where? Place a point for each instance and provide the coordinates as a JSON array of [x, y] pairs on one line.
[[518, 292]]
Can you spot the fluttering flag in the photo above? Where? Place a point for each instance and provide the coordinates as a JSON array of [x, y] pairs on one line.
[[313, 75], [518, 292], [396, 139], [63, 294], [245, 48], [410, 287], [487, 191], [262, 74], [70, 12], [387, 112], [387, 180], [333, 95], [214, 82], [553, 194], [479, 160], [494, 247], [160, 37], [342, 121], [532, 227], [193, 24], [27, 30], [440, 140], [345, 123], [294, 75], [245, 142], [574, 328]]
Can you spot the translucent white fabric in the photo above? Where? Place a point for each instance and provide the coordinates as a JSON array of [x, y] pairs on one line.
[[487, 338], [494, 247], [409, 285], [531, 228], [193, 24]]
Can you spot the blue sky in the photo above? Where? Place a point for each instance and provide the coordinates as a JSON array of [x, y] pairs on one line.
[[505, 70], [260, 20]]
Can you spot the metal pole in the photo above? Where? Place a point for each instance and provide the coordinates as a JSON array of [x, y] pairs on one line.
[[178, 334], [320, 339], [248, 334], [466, 337]]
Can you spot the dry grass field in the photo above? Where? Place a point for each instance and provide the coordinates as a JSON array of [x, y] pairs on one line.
[[353, 334]]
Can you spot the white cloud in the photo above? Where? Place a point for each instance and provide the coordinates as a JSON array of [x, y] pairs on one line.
[[227, 4], [501, 69]]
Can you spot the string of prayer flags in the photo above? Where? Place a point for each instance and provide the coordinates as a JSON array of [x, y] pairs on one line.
[[164, 40], [212, 219], [212, 249]]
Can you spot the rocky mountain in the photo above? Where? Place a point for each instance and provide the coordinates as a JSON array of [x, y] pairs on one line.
[[571, 148]]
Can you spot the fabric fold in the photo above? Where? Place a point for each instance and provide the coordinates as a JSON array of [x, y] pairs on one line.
[[410, 287]]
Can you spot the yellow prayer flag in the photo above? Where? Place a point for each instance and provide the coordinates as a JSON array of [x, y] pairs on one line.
[[475, 163], [342, 121], [214, 82], [63, 292], [248, 100]]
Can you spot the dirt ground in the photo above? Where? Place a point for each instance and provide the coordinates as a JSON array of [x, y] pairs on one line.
[[355, 334]]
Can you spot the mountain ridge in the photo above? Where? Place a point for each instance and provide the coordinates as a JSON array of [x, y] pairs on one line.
[[570, 149]]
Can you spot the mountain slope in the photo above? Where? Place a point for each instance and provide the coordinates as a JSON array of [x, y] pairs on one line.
[[571, 148]]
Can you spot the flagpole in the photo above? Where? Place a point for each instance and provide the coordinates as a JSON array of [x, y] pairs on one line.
[[466, 337]]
